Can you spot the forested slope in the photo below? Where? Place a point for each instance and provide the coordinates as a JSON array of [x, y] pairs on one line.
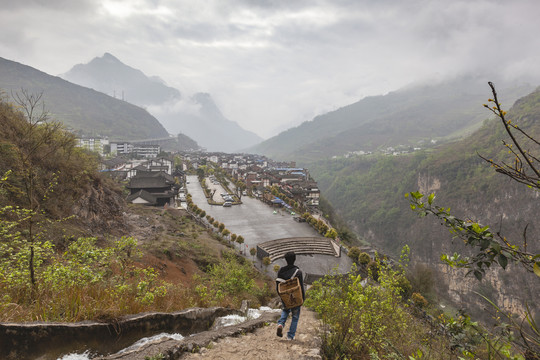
[[81, 109], [368, 192], [412, 117]]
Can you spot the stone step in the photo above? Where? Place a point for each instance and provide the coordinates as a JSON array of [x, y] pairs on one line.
[[278, 248]]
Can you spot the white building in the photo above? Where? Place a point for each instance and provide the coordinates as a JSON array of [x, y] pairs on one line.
[[146, 151], [121, 148], [92, 144], [143, 150]]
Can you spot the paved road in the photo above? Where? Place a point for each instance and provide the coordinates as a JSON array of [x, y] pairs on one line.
[[257, 223]]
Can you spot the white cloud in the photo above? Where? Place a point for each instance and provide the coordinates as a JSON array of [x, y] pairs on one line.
[[185, 105], [273, 64]]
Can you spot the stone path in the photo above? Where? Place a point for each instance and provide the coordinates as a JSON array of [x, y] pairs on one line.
[[263, 344]]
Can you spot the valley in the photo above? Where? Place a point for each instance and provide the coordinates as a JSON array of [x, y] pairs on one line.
[[411, 140]]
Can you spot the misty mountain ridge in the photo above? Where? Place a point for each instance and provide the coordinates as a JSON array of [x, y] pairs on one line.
[[84, 110], [197, 116], [441, 110], [112, 77]]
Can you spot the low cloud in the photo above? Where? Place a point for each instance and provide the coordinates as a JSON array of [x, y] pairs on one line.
[[271, 65], [184, 106]]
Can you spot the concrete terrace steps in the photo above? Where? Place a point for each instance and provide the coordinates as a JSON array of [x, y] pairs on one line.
[[276, 249]]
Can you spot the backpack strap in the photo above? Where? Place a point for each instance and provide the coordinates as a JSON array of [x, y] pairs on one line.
[[280, 280]]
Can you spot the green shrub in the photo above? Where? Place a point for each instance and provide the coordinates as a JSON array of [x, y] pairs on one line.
[[364, 258], [353, 253], [405, 288], [358, 320], [228, 283], [418, 300], [373, 269]]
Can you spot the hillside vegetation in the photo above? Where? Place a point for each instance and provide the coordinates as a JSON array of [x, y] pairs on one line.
[[79, 108], [368, 192], [410, 117], [71, 249]]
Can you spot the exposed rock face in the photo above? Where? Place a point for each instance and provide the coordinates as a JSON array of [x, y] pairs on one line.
[[100, 208], [507, 209], [428, 184], [497, 286], [507, 212]]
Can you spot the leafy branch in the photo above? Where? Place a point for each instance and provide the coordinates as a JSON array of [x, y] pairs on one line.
[[525, 167], [490, 247]]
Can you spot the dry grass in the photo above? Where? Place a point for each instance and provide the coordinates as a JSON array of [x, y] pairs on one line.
[[172, 243]]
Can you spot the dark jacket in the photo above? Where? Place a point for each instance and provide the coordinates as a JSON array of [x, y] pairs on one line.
[[286, 272]]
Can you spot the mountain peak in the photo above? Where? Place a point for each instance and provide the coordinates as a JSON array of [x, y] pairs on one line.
[[110, 57], [199, 118], [111, 76]]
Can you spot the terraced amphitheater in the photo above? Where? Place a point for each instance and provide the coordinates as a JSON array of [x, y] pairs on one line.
[[276, 249]]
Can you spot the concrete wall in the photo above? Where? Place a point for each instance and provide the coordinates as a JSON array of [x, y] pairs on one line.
[[52, 340]]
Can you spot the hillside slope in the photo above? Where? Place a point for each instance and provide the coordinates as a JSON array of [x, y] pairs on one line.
[[84, 110], [67, 233], [412, 116], [368, 192]]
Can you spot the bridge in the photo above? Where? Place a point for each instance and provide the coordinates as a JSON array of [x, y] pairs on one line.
[[276, 249], [159, 141]]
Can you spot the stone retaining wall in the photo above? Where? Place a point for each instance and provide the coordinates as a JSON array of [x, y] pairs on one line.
[[52, 340], [175, 349]]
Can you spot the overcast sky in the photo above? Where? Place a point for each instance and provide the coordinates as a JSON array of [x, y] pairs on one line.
[[270, 65]]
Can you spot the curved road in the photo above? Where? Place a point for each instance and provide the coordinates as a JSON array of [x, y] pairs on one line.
[[257, 223]]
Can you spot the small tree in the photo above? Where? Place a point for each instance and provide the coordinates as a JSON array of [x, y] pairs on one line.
[[331, 233], [225, 233], [353, 253], [253, 251], [266, 261], [240, 240], [35, 146], [364, 258]]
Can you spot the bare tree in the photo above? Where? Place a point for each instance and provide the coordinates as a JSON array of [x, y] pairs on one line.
[[35, 141]]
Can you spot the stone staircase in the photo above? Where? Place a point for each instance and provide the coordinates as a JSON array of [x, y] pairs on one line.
[[276, 249]]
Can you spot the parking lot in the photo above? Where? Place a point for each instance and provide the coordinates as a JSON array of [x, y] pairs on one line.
[[258, 223]]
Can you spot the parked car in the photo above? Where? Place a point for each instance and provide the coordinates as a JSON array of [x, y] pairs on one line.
[[227, 204], [299, 219]]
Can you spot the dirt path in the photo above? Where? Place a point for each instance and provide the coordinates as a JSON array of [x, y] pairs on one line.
[[263, 344]]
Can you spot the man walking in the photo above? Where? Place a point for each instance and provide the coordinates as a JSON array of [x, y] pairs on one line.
[[286, 273]]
